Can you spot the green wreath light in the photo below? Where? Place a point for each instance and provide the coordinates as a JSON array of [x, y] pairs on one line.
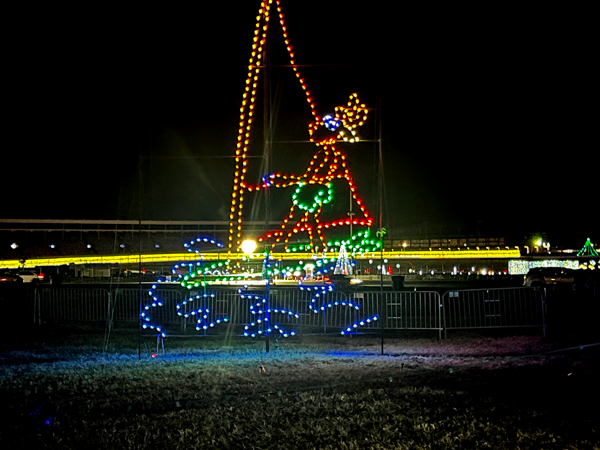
[[320, 199]]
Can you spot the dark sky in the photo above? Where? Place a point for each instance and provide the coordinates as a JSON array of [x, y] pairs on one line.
[[486, 114]]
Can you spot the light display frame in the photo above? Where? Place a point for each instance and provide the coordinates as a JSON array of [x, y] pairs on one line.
[[587, 249], [328, 163], [190, 282], [318, 305]]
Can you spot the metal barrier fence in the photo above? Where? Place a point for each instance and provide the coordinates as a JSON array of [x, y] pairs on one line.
[[72, 304], [493, 308], [404, 310]]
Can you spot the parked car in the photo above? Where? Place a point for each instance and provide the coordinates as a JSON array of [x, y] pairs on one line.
[[9, 277], [29, 276], [542, 276]]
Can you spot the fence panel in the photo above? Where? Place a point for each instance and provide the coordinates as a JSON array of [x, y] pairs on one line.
[[493, 308], [414, 310], [410, 310], [72, 304], [295, 301], [127, 301]]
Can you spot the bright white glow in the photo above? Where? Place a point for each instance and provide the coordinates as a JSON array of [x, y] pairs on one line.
[[248, 246]]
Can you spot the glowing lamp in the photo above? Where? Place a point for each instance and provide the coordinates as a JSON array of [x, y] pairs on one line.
[[249, 246]]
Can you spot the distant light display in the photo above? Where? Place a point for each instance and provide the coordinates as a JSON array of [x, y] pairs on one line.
[[359, 243], [328, 163], [343, 266], [588, 249], [520, 267]]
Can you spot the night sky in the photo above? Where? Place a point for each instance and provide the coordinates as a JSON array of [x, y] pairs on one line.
[[486, 115]]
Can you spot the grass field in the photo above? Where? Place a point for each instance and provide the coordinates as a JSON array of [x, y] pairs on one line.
[[59, 389]]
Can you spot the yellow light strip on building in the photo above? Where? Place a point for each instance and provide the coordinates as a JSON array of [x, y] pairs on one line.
[[182, 257]]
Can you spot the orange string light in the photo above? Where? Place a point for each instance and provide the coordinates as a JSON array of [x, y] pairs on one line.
[[326, 165]]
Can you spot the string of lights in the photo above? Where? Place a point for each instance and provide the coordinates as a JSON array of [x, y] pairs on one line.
[[202, 313], [262, 326], [588, 249], [327, 165], [189, 275], [316, 306], [247, 110]]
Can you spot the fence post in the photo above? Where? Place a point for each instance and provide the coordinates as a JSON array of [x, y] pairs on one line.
[[382, 308], [443, 318], [543, 300], [37, 320], [440, 312], [183, 318], [109, 318], [110, 308]]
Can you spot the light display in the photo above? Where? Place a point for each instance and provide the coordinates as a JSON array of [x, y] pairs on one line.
[[202, 322], [326, 166], [189, 275], [521, 267], [588, 249], [323, 265], [263, 325], [343, 266], [328, 163], [319, 199], [358, 244], [319, 305]]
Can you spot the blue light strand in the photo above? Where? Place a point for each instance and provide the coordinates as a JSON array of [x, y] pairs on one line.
[[320, 292], [184, 280], [262, 324], [202, 313], [193, 242], [145, 317], [358, 324]]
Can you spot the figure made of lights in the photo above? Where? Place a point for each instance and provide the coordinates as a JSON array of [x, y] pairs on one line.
[[193, 276], [314, 187]]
